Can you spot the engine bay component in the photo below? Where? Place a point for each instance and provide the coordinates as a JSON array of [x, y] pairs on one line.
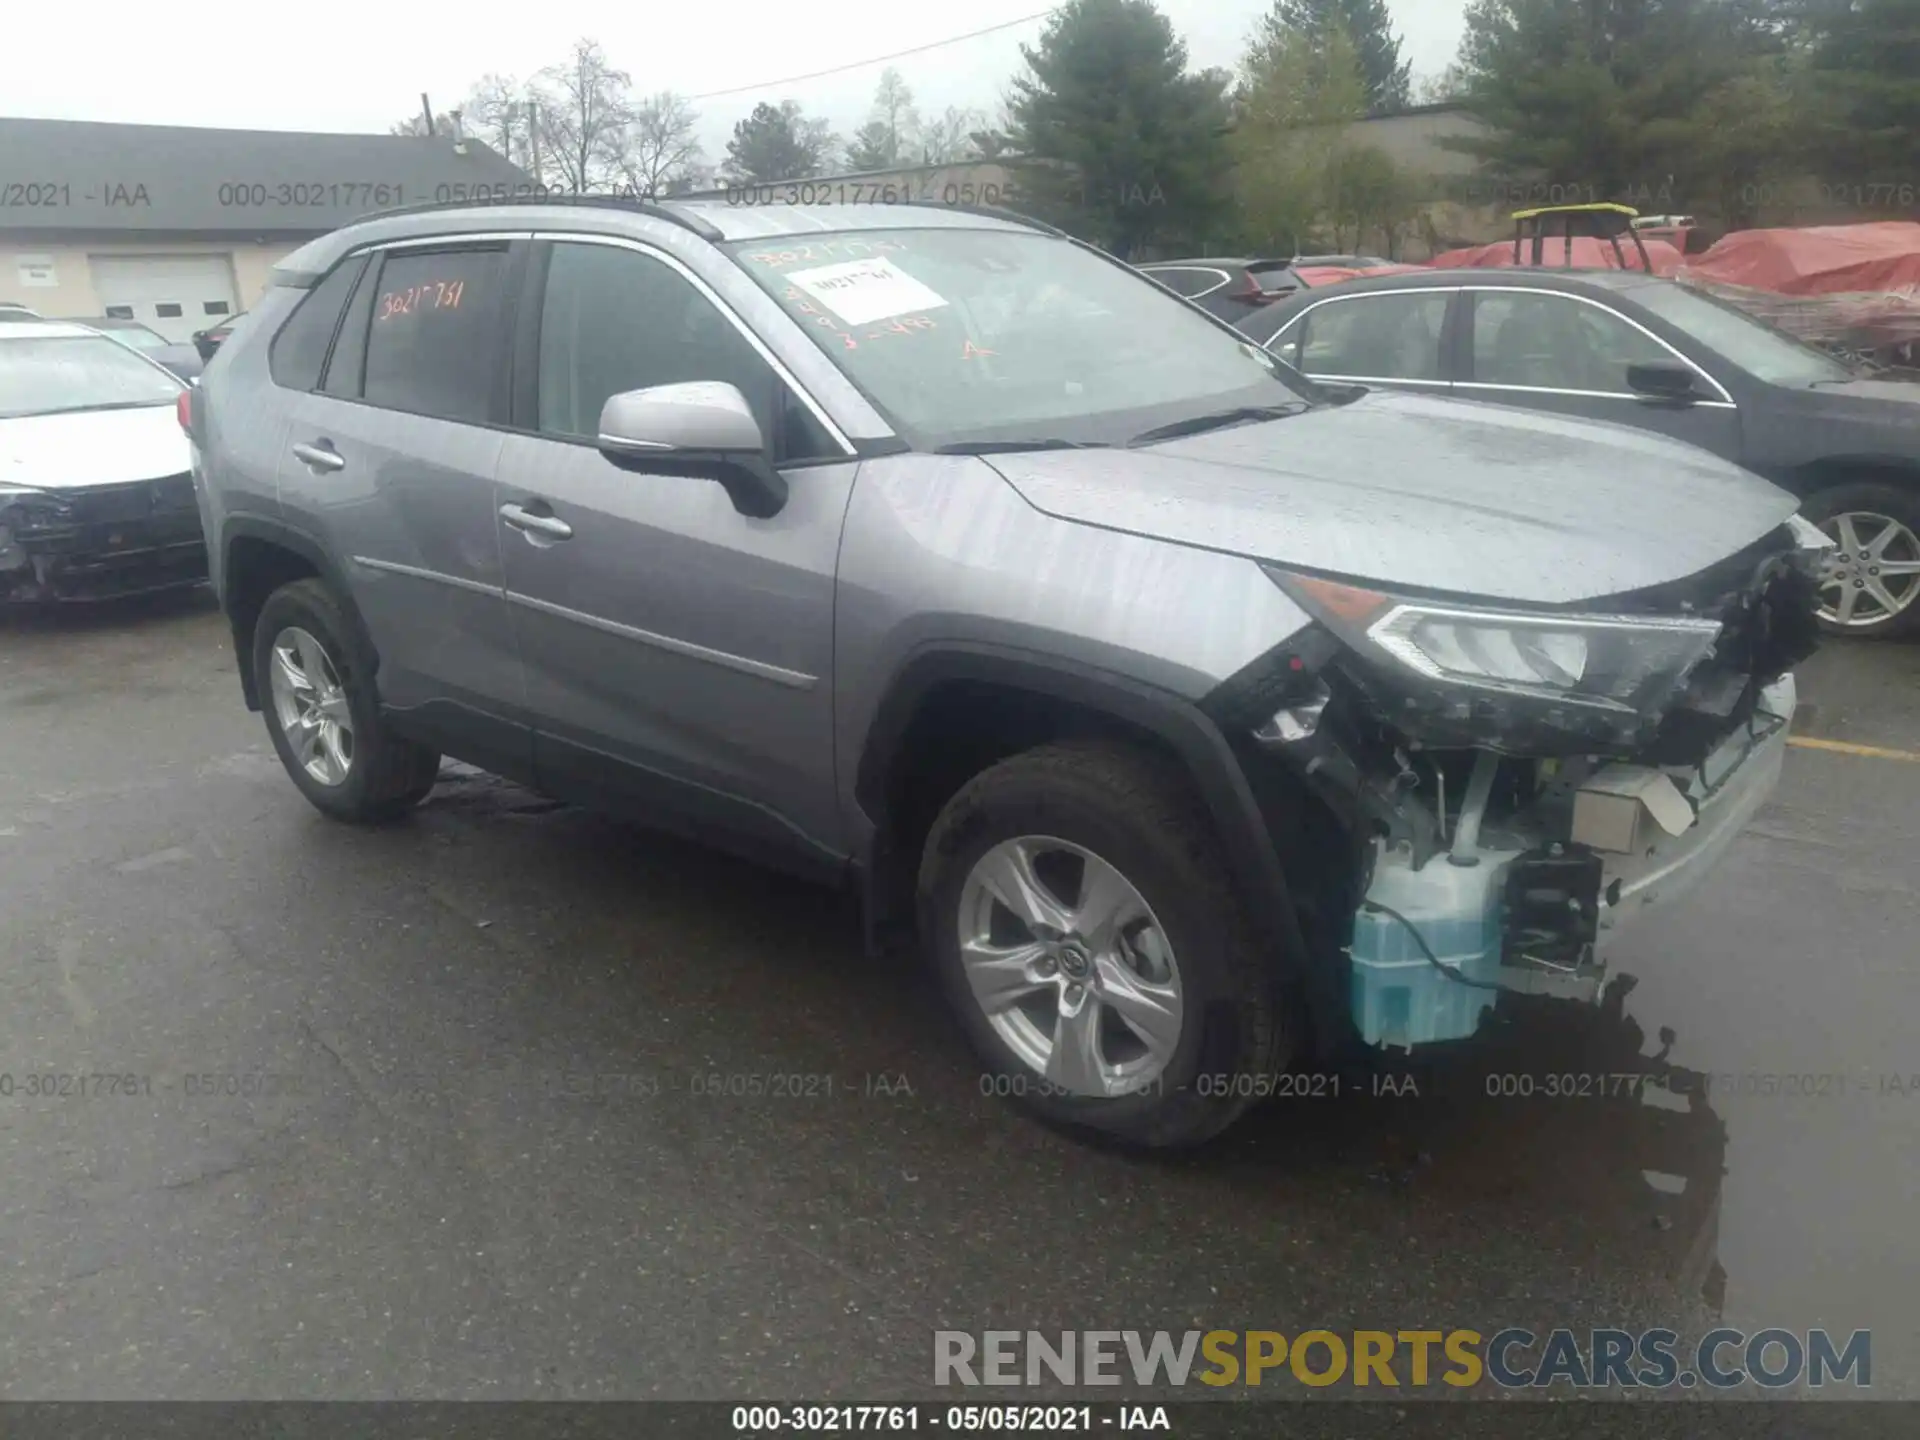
[[1623, 808], [1551, 908]]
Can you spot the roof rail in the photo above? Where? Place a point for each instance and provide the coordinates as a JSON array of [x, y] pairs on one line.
[[631, 204], [996, 212]]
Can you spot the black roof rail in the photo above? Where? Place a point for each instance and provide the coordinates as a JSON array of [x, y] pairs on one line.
[[631, 204], [996, 212]]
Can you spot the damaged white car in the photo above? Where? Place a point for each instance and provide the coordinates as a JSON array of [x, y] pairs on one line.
[[96, 487]]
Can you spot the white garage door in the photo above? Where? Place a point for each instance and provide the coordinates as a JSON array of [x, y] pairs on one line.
[[174, 294]]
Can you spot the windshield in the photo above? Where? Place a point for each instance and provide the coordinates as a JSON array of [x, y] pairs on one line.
[[979, 336], [1740, 339], [46, 375]]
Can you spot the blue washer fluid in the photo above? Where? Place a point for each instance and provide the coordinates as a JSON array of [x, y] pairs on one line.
[[1398, 997]]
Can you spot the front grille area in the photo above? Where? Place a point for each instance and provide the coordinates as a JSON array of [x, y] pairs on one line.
[[107, 540], [140, 500]]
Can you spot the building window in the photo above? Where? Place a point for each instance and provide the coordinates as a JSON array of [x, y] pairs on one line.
[[119, 312], [167, 312], [214, 307]]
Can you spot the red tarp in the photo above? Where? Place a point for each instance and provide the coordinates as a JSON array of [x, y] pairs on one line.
[[1817, 260], [1589, 253]]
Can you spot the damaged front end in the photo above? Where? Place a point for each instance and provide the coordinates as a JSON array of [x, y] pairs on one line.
[[100, 542], [1516, 784]]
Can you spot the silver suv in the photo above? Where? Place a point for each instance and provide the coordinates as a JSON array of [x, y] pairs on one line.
[[1205, 723]]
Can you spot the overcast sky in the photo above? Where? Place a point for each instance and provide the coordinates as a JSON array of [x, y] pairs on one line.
[[358, 65]]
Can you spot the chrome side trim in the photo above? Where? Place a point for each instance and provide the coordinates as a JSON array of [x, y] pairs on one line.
[[640, 247], [792, 679], [1587, 394], [1375, 380], [451, 240], [414, 572]]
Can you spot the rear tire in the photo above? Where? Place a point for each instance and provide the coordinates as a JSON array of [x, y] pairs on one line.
[[323, 714], [1192, 1028], [1872, 588]]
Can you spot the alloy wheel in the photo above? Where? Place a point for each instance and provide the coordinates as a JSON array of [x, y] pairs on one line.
[[311, 706], [1070, 966], [1872, 575]]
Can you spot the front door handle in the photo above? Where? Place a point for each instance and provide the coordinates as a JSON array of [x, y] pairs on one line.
[[320, 457], [525, 521]]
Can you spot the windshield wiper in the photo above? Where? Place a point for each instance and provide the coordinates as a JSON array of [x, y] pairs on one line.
[[1218, 420], [1014, 447]]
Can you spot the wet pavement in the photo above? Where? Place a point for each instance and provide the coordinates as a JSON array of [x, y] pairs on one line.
[[460, 1109]]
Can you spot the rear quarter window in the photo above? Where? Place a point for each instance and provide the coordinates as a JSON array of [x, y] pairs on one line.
[[299, 349]]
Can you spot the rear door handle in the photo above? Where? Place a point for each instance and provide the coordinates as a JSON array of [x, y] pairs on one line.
[[525, 521], [320, 457]]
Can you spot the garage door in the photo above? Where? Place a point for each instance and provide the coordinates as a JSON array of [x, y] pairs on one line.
[[174, 294]]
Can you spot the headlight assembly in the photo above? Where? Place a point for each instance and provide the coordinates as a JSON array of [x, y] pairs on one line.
[[1625, 664]]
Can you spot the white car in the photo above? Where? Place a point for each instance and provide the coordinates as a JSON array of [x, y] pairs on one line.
[[96, 483]]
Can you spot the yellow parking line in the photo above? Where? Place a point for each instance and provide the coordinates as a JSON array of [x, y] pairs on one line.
[[1847, 747]]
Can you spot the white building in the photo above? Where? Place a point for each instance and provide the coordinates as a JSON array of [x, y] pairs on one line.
[[178, 226]]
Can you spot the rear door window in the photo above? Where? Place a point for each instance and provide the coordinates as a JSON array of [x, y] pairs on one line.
[[435, 336]]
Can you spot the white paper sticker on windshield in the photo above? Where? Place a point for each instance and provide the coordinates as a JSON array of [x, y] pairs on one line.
[[862, 291]]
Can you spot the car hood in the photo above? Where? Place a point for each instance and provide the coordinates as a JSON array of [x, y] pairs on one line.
[[99, 447], [1437, 495]]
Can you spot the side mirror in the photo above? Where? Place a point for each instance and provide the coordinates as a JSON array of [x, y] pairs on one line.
[[205, 345], [1666, 380], [1341, 392], [702, 428]]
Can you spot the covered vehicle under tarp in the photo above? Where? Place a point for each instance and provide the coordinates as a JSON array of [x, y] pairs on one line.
[[1853, 288], [1590, 252]]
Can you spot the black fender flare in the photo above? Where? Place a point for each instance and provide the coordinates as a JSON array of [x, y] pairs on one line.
[[289, 537], [1193, 738]]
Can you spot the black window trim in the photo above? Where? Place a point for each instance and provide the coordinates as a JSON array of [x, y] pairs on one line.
[[1449, 329], [513, 244], [526, 345], [357, 259], [1472, 294]]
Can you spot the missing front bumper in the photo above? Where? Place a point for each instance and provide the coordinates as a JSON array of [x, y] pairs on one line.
[[1437, 938]]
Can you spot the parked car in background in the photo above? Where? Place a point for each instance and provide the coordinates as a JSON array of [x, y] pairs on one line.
[[206, 341], [1623, 346], [11, 311], [182, 360], [936, 553], [96, 488], [1232, 289]]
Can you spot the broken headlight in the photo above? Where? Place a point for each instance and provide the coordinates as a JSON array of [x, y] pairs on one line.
[[1624, 664]]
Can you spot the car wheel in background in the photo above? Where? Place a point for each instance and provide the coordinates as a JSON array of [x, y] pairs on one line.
[[1871, 584], [322, 713], [1080, 913]]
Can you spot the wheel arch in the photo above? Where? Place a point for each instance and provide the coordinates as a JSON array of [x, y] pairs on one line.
[[258, 556], [994, 701]]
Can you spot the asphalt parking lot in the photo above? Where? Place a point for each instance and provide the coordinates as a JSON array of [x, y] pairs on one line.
[[480, 1141]]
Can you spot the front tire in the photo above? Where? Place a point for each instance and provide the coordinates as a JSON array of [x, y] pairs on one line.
[[323, 714], [1079, 911], [1871, 587]]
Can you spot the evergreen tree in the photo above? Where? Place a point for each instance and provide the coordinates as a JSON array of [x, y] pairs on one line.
[[1119, 141], [1369, 27]]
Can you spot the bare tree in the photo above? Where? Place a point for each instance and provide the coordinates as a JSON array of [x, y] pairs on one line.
[[893, 108], [495, 111], [949, 138], [585, 109], [660, 146]]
